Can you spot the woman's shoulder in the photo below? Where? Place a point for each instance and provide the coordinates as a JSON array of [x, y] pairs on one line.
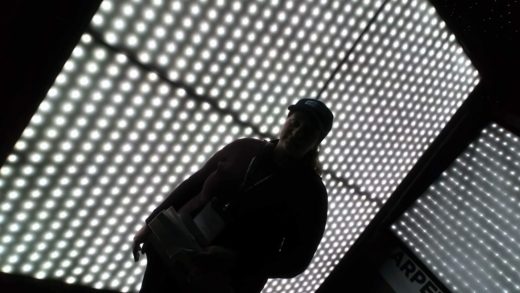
[[319, 187], [246, 142], [242, 148], [310, 195], [320, 190]]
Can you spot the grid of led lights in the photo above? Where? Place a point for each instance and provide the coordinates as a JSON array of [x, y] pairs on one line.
[[465, 226], [115, 133]]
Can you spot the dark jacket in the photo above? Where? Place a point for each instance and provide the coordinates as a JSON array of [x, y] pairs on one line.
[[279, 214]]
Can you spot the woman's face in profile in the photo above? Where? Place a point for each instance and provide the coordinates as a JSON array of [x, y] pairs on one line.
[[299, 134]]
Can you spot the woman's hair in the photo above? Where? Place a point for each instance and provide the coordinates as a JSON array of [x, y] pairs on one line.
[[313, 159]]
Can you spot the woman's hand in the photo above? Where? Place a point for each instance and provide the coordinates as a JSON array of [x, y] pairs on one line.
[[139, 239], [209, 270], [213, 258]]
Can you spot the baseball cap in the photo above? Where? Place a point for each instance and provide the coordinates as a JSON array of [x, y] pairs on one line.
[[318, 110]]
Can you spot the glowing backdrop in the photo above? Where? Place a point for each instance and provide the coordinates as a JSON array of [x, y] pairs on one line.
[[465, 226], [155, 87]]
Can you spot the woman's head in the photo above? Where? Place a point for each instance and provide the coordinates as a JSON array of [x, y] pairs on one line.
[[319, 113], [307, 124]]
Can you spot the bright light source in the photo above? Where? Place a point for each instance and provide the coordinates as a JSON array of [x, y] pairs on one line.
[[465, 226], [110, 133]]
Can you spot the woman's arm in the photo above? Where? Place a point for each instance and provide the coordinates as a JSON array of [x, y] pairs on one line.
[[191, 186], [186, 190], [306, 228]]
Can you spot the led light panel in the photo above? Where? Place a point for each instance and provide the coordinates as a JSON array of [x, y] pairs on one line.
[[116, 133], [465, 227], [254, 57]]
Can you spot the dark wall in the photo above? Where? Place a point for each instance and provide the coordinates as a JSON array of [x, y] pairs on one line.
[[36, 38]]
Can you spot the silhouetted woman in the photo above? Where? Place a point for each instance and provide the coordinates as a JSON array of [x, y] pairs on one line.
[[271, 199]]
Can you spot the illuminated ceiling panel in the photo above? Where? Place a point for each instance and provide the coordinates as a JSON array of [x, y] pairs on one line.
[[156, 87], [254, 57], [400, 85], [465, 226], [104, 148]]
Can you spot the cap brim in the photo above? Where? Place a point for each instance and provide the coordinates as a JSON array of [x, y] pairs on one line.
[[315, 117]]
